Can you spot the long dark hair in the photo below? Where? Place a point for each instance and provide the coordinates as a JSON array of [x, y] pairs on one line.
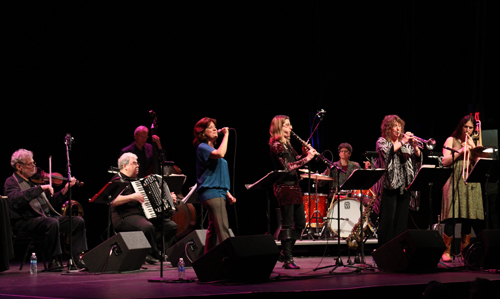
[[460, 127], [199, 130]]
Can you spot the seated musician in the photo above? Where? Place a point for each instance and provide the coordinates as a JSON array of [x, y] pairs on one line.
[[127, 213], [32, 211], [345, 151]]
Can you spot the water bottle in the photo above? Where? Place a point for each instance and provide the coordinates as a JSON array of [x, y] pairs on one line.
[[33, 264], [181, 269]]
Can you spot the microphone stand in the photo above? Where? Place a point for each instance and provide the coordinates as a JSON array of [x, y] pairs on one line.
[[68, 141], [338, 260]]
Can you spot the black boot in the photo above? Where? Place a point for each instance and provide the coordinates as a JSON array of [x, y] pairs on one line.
[[286, 254]]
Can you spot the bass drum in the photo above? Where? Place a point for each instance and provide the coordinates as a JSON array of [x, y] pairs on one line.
[[349, 216]]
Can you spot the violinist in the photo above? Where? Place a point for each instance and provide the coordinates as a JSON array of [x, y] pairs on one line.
[[127, 214], [32, 210], [144, 151]]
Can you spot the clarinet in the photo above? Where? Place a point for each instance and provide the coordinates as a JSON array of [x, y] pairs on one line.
[[318, 156]]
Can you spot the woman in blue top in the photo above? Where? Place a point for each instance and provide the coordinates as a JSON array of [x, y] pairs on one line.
[[212, 176]]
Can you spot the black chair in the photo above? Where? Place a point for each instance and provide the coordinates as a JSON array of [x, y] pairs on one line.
[[35, 243]]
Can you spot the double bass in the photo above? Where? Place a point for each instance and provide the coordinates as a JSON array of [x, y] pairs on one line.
[[185, 217]]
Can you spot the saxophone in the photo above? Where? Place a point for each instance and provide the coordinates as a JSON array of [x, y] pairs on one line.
[[354, 239]]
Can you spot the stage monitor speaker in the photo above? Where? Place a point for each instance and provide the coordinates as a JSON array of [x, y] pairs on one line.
[[239, 259], [125, 251], [483, 252], [412, 251], [189, 248]]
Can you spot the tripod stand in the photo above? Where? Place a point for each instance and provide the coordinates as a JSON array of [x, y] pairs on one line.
[[358, 180]]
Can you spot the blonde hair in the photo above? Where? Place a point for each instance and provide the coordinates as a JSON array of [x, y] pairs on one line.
[[276, 128]]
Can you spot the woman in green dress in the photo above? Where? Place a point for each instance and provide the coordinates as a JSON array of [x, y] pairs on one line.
[[467, 206]]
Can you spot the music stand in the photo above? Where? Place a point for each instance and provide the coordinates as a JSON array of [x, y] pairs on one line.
[[265, 182], [486, 170], [429, 176], [360, 179], [107, 195]]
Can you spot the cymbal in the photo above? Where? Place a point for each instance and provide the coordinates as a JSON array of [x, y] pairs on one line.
[[317, 177], [305, 170]]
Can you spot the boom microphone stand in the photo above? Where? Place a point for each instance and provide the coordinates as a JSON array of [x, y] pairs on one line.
[[68, 141]]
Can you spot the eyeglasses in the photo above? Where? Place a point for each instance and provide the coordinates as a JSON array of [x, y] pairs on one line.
[[135, 164], [32, 164], [344, 152]]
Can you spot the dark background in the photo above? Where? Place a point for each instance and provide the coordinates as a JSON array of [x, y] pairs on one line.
[[96, 71]]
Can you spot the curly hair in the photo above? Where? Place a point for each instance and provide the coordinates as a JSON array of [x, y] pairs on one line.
[[387, 125], [20, 156], [345, 145], [199, 130], [276, 128]]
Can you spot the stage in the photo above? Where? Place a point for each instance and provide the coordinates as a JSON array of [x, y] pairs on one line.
[[318, 276]]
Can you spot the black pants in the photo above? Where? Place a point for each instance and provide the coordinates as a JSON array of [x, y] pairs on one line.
[[393, 216], [51, 227], [151, 229]]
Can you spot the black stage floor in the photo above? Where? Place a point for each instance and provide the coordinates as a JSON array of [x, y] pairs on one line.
[[359, 280]]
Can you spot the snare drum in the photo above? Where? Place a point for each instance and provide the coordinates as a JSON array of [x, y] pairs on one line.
[[320, 200], [349, 216]]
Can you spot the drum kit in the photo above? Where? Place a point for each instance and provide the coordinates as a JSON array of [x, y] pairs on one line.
[[321, 217]]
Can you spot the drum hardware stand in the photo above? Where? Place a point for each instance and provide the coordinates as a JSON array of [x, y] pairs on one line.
[[316, 214]]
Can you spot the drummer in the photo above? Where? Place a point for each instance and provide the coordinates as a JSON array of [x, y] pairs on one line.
[[345, 151]]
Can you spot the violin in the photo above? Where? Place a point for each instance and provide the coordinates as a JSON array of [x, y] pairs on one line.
[[41, 177]]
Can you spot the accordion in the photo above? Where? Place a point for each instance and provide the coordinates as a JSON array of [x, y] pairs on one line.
[[154, 198]]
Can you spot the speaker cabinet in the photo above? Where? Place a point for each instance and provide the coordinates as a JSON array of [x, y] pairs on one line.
[[239, 259], [412, 251], [125, 251], [195, 242], [484, 251], [189, 248]]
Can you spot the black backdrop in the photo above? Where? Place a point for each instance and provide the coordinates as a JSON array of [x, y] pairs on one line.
[[96, 71]]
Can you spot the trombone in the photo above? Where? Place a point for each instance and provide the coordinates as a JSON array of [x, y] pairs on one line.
[[476, 152]]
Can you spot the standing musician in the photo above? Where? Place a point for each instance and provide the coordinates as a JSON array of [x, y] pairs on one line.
[[212, 177], [287, 190], [144, 151], [468, 203], [400, 155], [33, 212], [127, 213]]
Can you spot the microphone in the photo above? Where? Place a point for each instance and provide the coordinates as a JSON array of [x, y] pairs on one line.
[[450, 149], [219, 131], [321, 113], [113, 169]]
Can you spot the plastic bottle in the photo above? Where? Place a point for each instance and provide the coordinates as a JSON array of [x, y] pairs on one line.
[[181, 269], [33, 264]]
